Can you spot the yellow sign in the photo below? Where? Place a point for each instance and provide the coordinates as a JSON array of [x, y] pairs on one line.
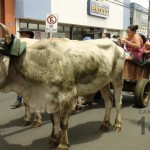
[[98, 8]]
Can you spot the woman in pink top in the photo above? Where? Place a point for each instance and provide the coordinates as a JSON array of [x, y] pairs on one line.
[[133, 43]]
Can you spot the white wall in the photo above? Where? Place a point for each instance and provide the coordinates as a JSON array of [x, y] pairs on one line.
[[75, 12]]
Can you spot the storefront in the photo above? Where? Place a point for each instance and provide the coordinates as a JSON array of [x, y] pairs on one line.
[[75, 18], [139, 16], [64, 30]]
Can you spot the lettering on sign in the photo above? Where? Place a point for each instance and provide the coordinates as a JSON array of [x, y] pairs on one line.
[[97, 9]]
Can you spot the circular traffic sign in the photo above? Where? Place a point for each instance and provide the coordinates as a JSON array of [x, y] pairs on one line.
[[51, 19]]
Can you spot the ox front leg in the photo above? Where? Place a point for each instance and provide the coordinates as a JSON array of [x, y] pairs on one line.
[[27, 116], [107, 96], [118, 102], [38, 120], [55, 137], [64, 117]]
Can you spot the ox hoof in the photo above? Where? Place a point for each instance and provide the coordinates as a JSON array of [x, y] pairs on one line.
[[72, 111], [53, 142], [105, 125], [25, 123], [79, 107], [117, 127], [36, 124], [62, 147]]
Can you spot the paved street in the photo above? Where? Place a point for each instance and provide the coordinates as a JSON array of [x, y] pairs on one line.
[[84, 133]]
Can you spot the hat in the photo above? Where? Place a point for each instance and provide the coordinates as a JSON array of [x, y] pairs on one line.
[[28, 31]]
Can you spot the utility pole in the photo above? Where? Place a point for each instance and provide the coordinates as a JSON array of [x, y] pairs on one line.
[[148, 21]]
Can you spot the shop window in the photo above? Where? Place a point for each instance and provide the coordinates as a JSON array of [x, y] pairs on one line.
[[74, 29], [80, 29], [67, 29], [33, 26], [41, 27], [67, 35], [88, 30], [23, 25], [60, 28], [77, 36]]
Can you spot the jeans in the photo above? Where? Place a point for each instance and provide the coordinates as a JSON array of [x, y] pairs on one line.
[[19, 99]]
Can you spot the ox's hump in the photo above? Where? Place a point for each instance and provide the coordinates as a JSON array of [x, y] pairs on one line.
[[29, 42], [105, 44]]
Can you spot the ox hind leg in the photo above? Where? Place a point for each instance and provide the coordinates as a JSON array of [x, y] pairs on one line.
[[117, 86], [38, 120], [108, 98], [54, 138], [27, 116], [64, 117]]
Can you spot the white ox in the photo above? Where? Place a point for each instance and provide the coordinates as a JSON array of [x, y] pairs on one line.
[[52, 73]]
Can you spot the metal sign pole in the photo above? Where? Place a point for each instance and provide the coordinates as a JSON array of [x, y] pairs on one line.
[[51, 33]]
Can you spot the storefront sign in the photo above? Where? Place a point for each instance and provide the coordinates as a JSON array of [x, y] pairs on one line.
[[51, 23], [97, 8]]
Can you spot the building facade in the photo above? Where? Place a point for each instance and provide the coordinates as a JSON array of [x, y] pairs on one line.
[[139, 16], [76, 18], [7, 15]]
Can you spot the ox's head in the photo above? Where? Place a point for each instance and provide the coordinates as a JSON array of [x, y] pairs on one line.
[[11, 45]]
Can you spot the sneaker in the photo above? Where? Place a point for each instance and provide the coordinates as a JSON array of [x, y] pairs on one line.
[[16, 105]]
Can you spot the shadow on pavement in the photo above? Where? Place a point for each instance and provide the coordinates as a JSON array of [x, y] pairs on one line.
[[85, 132], [88, 131], [17, 122]]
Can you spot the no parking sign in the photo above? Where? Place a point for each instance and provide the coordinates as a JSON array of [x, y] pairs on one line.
[[51, 23]]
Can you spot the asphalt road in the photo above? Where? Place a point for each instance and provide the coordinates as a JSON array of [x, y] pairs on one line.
[[84, 133]]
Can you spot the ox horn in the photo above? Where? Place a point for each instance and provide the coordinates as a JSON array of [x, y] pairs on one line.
[[7, 34]]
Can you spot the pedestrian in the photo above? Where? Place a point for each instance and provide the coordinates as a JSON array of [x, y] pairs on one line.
[[115, 39], [86, 37], [133, 44], [106, 35], [24, 33]]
